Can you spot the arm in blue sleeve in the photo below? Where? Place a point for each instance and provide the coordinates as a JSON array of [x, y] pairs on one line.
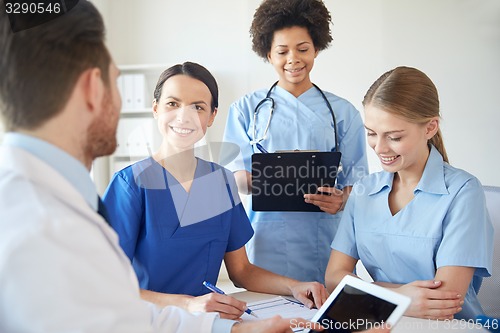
[[345, 238], [467, 231], [353, 148], [236, 133], [125, 210]]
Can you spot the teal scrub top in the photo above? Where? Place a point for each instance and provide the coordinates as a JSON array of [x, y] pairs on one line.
[[446, 224], [296, 244], [175, 239]]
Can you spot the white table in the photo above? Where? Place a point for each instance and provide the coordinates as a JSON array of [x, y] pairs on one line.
[[405, 325]]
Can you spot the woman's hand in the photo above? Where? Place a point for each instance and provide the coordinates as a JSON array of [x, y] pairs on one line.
[[430, 303], [331, 201], [310, 293], [227, 306]]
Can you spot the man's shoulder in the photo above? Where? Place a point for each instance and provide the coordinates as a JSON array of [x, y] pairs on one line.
[[24, 202]]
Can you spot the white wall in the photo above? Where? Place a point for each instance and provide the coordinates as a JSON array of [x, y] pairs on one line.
[[456, 42]]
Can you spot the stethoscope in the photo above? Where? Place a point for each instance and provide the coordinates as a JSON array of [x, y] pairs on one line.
[[269, 99]]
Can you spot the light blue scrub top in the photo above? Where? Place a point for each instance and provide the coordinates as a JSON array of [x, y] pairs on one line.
[[446, 224], [296, 244], [174, 239]]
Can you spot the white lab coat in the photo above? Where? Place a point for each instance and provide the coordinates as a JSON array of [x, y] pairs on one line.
[[61, 268]]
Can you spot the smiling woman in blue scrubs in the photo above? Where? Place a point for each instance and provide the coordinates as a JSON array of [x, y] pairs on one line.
[[420, 226], [289, 35], [179, 216]]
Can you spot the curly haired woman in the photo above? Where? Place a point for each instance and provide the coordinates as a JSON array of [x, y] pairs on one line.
[[289, 34]]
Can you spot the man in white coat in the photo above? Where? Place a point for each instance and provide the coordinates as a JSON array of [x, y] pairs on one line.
[[61, 268]]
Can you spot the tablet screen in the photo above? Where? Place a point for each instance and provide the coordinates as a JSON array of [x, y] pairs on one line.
[[354, 310]]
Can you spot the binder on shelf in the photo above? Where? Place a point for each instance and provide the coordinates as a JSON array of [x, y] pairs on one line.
[[139, 84], [128, 92], [132, 88], [135, 137]]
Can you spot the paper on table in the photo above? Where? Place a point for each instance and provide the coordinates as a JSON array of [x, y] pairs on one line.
[[278, 306]]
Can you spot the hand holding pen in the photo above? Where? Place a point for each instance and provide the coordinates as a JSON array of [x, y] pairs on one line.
[[216, 290], [228, 307]]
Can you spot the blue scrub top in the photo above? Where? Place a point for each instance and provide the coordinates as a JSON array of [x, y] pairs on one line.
[[446, 224], [296, 244], [175, 239]]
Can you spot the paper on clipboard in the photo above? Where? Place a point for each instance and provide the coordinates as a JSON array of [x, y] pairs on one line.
[[278, 306]]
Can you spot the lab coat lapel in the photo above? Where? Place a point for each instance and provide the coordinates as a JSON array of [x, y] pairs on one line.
[[18, 161], [39, 172]]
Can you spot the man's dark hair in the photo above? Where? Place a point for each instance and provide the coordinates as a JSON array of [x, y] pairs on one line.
[[40, 66], [273, 15]]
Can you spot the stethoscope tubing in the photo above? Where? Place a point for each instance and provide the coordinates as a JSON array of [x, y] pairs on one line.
[[268, 98]]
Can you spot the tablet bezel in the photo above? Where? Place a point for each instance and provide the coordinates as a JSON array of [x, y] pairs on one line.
[[401, 301]]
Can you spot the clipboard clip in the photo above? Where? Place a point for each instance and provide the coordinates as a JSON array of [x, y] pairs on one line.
[[298, 151]]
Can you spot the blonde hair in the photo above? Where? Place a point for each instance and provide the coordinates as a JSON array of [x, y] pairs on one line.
[[409, 94]]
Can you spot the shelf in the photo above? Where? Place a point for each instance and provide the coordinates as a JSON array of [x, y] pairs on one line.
[[121, 158], [136, 113]]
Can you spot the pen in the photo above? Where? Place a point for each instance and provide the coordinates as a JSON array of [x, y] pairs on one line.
[[262, 149], [213, 288]]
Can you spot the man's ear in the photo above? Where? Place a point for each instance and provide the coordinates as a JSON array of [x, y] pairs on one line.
[[93, 87], [431, 128], [212, 117]]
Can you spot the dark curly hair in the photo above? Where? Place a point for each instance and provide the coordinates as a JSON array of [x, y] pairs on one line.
[[273, 15]]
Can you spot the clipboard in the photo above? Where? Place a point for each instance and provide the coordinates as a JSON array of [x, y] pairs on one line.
[[280, 180]]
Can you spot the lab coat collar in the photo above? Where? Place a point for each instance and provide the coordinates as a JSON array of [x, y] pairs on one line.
[[20, 163], [65, 164]]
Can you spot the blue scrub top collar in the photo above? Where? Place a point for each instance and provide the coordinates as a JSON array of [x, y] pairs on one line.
[[432, 180]]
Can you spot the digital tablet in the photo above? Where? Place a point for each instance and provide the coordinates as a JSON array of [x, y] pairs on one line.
[[356, 305], [280, 180]]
